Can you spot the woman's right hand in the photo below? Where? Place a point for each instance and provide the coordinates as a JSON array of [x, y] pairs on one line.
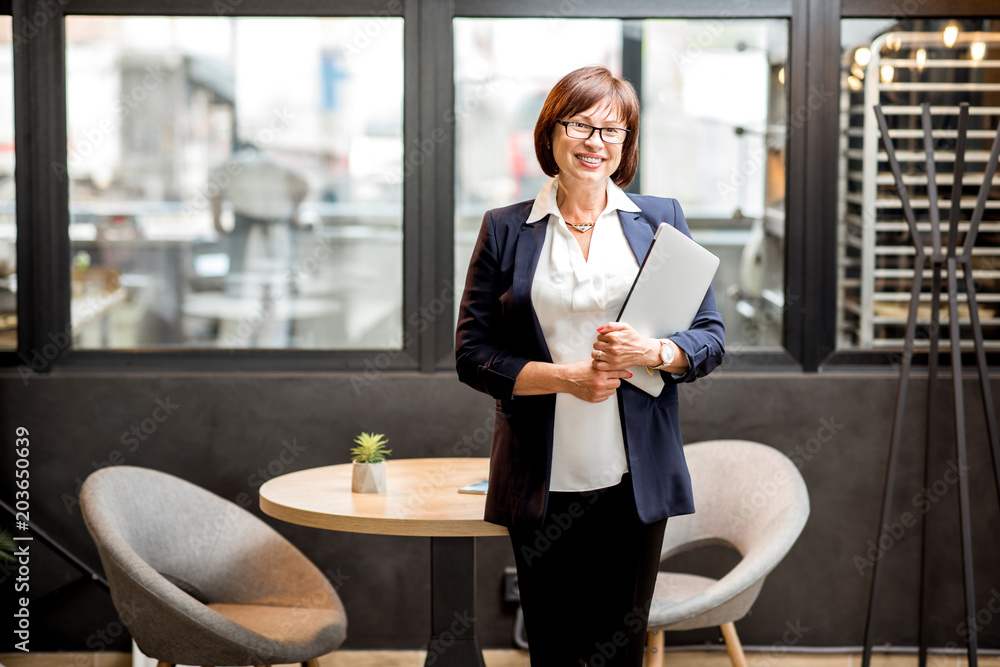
[[585, 382]]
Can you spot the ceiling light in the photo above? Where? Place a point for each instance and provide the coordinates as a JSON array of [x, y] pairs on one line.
[[977, 50], [887, 73], [950, 35], [863, 55]]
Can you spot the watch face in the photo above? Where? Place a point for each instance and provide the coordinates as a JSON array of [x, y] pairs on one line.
[[666, 354]]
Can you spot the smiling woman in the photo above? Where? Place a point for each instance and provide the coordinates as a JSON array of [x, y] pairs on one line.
[[575, 448]]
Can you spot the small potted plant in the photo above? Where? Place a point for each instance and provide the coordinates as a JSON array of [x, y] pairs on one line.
[[369, 463]]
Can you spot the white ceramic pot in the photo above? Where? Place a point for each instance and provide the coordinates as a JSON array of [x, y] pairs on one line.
[[368, 478]]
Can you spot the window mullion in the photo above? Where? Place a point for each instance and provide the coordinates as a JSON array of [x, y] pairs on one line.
[[43, 249]]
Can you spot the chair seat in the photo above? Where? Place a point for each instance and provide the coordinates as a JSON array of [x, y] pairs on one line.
[[301, 633], [671, 589]]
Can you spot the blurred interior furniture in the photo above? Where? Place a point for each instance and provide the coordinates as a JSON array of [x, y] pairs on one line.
[[198, 580], [748, 496], [943, 264], [422, 499]]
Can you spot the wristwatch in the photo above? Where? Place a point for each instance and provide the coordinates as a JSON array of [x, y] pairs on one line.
[[666, 356]]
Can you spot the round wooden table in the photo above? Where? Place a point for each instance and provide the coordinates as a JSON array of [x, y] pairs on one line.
[[421, 499]]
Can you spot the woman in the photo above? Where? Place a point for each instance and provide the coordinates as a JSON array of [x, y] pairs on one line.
[[584, 468]]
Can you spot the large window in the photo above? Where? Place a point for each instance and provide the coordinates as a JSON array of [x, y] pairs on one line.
[[714, 109], [235, 182], [900, 65], [8, 230]]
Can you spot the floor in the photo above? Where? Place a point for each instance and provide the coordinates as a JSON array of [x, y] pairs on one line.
[[510, 658]]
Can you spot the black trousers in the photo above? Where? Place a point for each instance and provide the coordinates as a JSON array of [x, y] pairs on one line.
[[586, 578]]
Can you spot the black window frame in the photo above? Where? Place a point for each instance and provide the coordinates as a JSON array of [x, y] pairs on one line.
[[428, 192]]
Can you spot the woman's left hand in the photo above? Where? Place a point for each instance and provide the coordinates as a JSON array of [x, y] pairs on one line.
[[619, 346]]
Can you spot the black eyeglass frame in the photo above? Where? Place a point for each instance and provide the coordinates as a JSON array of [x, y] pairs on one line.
[[566, 124]]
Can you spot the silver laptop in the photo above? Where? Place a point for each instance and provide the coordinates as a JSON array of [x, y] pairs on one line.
[[672, 282]]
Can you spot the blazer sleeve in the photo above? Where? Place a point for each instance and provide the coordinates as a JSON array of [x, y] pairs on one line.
[[483, 356], [705, 341]]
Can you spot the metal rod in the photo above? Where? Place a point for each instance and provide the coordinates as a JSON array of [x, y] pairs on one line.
[[956, 188], [932, 381], [963, 466], [984, 193], [904, 376], [984, 377], [60, 550], [932, 193]]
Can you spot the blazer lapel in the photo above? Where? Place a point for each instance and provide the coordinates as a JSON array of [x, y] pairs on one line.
[[638, 232], [529, 247]]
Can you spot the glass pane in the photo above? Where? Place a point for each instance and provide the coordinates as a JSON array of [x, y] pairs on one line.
[[901, 65], [714, 109], [8, 227], [235, 183], [714, 114]]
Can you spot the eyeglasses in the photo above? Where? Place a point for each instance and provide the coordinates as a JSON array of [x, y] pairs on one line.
[[609, 135]]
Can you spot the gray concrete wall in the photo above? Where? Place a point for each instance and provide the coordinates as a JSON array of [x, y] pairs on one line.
[[228, 433]]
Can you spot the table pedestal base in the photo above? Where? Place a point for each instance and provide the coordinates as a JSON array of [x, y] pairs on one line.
[[453, 640]]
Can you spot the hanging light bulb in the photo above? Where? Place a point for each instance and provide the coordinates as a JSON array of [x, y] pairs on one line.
[[950, 35], [858, 71], [854, 83], [893, 42], [977, 50], [887, 72], [921, 58], [781, 76], [862, 55]]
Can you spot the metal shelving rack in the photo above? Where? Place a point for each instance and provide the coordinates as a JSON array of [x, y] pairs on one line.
[[876, 254]]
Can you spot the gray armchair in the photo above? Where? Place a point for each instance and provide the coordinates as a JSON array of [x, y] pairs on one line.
[[198, 580], [748, 496]]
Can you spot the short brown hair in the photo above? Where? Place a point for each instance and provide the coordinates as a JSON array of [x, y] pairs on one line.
[[578, 91]]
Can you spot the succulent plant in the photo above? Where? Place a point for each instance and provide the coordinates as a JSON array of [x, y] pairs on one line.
[[370, 449]]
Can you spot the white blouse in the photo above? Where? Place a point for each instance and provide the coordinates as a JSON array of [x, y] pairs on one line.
[[572, 297]]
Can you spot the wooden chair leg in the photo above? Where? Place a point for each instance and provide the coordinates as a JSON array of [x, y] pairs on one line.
[[654, 648], [164, 664], [311, 663], [733, 645]]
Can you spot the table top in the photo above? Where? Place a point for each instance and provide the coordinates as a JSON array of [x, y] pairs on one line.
[[421, 499]]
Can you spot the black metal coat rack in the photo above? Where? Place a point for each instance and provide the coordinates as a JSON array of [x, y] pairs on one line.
[[943, 264]]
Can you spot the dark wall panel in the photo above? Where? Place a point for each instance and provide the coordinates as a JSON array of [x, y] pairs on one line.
[[228, 433]]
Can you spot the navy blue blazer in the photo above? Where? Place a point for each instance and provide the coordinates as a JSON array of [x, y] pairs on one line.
[[498, 333]]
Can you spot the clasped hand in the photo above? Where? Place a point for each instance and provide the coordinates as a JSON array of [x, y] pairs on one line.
[[617, 348]]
